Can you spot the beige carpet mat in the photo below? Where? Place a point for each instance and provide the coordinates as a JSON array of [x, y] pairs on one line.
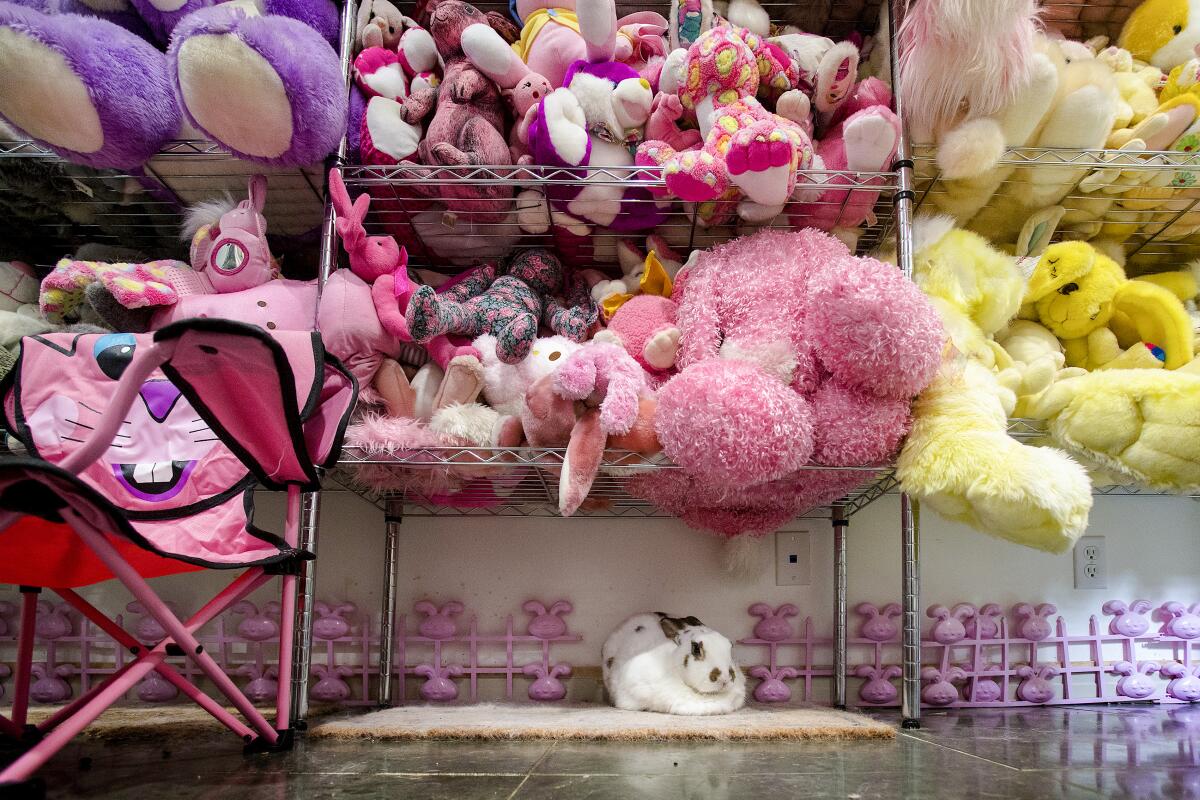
[[588, 721]]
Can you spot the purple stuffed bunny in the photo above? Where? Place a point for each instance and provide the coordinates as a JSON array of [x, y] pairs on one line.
[[467, 128], [508, 302]]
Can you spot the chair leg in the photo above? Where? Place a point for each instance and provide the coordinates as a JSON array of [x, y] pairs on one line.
[[20, 708], [287, 616], [136, 584]]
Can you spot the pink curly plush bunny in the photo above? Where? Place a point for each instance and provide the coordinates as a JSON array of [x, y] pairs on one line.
[[745, 146], [793, 351]]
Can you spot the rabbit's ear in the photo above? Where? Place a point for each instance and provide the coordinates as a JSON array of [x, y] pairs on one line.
[[1147, 667], [963, 611], [1023, 610], [341, 609], [1173, 669], [64, 670], [452, 609], [1046, 673], [1046, 609], [861, 671], [892, 610], [892, 671], [1114, 607], [338, 194], [245, 607], [561, 607], [931, 674], [787, 672], [135, 607], [454, 669], [787, 610], [764, 610], [320, 670], [426, 607], [323, 609], [272, 608], [534, 669], [937, 612], [534, 607], [765, 672], [990, 610], [1024, 672], [44, 608], [1140, 606], [362, 204], [560, 670], [955, 673], [345, 670], [866, 609], [424, 670], [257, 192], [1123, 668]]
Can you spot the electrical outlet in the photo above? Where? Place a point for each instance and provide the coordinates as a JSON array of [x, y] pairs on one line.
[[1091, 563], [793, 558]]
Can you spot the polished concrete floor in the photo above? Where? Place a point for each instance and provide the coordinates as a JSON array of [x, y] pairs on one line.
[[1142, 752]]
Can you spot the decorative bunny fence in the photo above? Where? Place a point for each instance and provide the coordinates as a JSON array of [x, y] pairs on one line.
[[977, 658], [74, 654]]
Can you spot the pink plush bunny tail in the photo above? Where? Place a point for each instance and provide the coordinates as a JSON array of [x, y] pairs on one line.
[[945, 61]]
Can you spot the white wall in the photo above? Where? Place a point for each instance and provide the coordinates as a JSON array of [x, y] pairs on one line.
[[612, 567]]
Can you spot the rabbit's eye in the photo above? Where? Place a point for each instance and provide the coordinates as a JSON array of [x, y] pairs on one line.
[[698, 650], [1068, 289], [731, 673], [1178, 29]]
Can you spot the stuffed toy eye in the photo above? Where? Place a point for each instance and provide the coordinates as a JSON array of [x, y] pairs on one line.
[[1068, 289], [1178, 29], [114, 352]]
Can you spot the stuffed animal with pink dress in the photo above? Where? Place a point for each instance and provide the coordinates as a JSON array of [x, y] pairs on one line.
[[508, 300], [793, 351], [748, 151]]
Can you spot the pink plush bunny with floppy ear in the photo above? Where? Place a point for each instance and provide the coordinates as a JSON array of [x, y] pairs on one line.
[[371, 257]]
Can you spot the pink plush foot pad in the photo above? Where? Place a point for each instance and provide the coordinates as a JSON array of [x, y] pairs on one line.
[[757, 149]]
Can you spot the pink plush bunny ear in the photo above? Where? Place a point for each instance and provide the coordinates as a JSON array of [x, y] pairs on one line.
[[362, 204], [257, 192], [338, 193]]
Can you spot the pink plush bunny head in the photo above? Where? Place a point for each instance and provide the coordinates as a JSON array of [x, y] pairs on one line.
[[234, 254], [371, 257], [721, 65]]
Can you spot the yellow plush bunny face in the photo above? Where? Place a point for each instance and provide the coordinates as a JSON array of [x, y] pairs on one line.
[[1072, 289], [1163, 32]]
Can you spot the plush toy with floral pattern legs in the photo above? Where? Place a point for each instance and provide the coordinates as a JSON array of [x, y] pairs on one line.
[[745, 146], [509, 302]]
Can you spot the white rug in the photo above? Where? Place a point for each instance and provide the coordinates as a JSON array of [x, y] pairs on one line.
[[589, 721]]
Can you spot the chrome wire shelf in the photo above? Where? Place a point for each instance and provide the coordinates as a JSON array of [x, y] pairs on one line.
[[523, 481], [65, 206], [1148, 202], [407, 204]]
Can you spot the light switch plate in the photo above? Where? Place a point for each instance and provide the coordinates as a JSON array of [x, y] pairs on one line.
[[793, 558]]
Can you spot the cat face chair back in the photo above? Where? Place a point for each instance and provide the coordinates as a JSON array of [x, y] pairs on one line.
[[233, 254]]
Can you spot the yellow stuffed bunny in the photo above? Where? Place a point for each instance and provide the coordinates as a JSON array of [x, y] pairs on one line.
[[1085, 300], [958, 458]]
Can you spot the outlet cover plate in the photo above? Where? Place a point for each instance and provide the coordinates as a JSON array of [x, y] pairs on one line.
[[1091, 563], [793, 558]]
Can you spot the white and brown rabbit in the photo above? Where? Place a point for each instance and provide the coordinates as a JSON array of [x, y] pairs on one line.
[[672, 665]]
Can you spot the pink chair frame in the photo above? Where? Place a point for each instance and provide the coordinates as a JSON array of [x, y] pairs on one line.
[[52, 734]]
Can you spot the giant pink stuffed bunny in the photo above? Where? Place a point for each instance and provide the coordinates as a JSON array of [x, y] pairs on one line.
[[793, 352]]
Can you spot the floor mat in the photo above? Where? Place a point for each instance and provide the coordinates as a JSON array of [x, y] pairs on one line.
[[588, 721]]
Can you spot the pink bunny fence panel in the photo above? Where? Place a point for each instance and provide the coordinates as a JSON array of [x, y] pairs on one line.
[[979, 657], [73, 654]]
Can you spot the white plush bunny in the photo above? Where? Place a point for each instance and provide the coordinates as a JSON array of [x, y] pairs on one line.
[[672, 665]]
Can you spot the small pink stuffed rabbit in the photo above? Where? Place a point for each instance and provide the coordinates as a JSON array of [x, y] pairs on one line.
[[233, 254], [371, 257]]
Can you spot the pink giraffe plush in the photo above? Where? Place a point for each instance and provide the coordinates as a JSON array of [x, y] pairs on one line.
[[745, 147]]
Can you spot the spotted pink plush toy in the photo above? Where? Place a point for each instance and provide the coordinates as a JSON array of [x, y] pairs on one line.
[[745, 146], [794, 351]]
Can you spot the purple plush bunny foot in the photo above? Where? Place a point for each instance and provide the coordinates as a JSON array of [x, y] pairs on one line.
[[269, 88], [89, 90]]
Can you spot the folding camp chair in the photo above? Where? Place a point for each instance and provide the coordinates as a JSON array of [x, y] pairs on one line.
[[146, 487]]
